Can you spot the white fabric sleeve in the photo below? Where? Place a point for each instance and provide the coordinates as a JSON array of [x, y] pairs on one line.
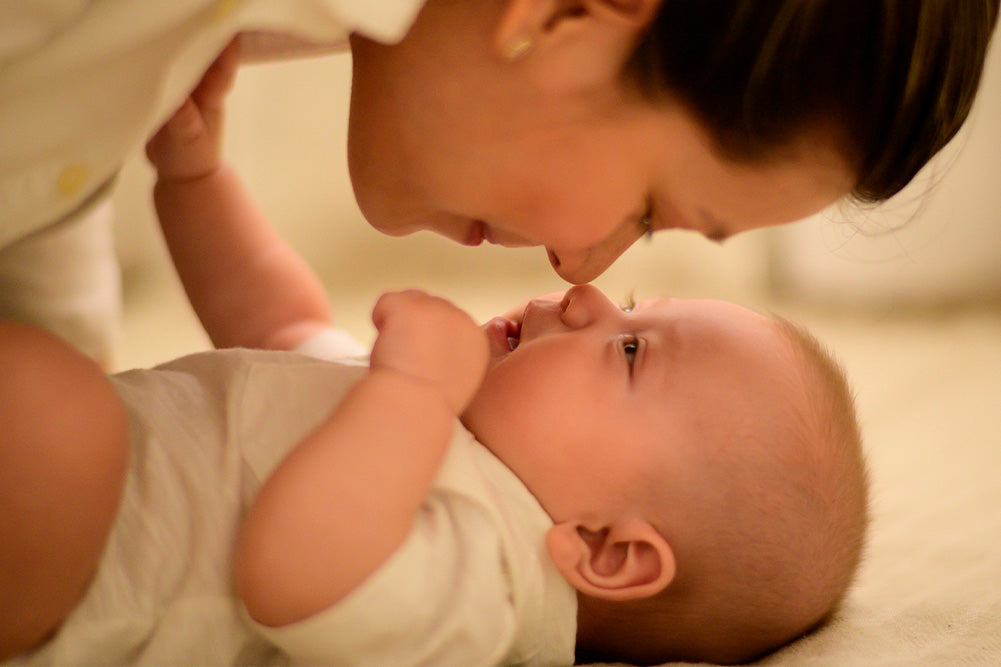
[[332, 344], [66, 279], [442, 598]]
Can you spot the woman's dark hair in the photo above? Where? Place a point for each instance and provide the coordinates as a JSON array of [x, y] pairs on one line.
[[896, 77]]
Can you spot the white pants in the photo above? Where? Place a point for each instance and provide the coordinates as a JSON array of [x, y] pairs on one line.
[[66, 279]]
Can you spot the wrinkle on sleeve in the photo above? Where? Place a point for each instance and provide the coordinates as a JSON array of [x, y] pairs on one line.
[[442, 598]]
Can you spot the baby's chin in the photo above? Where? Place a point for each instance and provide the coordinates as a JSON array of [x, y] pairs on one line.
[[477, 418], [468, 419]]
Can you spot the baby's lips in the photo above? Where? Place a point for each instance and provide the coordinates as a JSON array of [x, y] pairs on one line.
[[502, 335]]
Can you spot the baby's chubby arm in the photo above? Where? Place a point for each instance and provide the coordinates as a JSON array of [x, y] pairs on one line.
[[248, 287], [346, 497]]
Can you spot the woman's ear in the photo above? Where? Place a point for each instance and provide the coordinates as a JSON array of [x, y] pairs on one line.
[[537, 25], [628, 560]]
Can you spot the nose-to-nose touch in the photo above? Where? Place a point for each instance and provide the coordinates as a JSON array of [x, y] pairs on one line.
[[581, 305], [584, 265], [579, 268]]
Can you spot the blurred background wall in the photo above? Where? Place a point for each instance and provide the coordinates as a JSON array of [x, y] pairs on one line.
[[937, 244]]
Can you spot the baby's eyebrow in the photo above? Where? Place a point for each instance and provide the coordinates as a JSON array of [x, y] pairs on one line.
[[629, 303]]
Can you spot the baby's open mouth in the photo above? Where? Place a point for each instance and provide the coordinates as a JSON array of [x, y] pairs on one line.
[[504, 335], [513, 335]]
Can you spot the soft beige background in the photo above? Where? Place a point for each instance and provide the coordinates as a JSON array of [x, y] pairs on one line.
[[913, 314]]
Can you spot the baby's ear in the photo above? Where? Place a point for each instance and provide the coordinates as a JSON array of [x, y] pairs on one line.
[[627, 560]]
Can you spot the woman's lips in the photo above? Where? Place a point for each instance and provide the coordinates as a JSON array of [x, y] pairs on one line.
[[480, 232], [476, 234]]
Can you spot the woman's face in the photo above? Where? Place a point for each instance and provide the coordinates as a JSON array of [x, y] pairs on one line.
[[551, 150]]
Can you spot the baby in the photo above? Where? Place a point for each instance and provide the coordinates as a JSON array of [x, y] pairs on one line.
[[680, 480]]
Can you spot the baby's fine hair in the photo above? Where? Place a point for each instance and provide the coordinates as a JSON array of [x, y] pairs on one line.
[[894, 79], [802, 541]]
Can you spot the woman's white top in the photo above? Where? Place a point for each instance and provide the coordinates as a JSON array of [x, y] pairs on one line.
[[84, 83]]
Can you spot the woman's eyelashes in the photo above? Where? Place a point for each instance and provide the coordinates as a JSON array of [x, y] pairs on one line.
[[646, 223]]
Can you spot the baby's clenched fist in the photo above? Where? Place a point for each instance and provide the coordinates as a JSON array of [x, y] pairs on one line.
[[430, 340]]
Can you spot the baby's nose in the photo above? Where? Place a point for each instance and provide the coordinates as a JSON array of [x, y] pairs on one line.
[[584, 304]]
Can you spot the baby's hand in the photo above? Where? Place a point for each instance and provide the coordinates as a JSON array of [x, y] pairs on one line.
[[427, 338], [189, 145]]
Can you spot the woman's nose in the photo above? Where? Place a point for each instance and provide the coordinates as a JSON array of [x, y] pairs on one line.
[[583, 305], [581, 266], [578, 267]]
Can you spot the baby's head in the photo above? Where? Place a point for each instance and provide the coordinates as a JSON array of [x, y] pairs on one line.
[[701, 464]]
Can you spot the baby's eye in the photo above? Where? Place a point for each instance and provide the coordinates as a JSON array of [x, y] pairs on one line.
[[630, 346]]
